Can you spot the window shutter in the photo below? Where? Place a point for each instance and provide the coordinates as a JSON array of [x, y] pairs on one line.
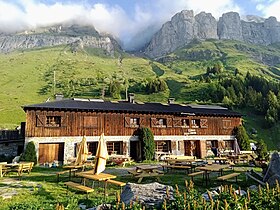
[[40, 120], [142, 121], [203, 123], [169, 122], [177, 122], [153, 122], [64, 120], [127, 122]]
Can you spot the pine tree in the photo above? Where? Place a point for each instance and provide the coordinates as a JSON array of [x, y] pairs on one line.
[[29, 153], [147, 143], [242, 138]]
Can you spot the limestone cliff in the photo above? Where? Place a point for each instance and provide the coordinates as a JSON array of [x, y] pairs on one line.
[[86, 36], [184, 27]]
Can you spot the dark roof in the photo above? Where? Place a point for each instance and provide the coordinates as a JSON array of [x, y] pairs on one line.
[[124, 106]]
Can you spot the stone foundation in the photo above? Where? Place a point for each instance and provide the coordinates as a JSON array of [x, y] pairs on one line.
[[11, 148]]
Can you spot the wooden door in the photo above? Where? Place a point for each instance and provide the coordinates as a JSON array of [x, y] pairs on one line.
[[51, 152]]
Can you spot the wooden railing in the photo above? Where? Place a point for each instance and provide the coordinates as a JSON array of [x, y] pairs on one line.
[[10, 135]]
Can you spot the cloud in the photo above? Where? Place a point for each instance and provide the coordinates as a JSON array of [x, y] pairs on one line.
[[269, 8], [147, 15]]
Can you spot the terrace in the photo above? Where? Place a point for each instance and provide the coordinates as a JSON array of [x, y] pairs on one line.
[[40, 189]]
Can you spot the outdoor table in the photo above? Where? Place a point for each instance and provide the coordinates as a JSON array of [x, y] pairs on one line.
[[97, 177], [220, 159], [8, 166], [1, 169], [146, 171], [211, 168], [73, 167]]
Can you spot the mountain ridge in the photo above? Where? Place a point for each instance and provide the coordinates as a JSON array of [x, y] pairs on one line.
[[185, 26], [58, 35]]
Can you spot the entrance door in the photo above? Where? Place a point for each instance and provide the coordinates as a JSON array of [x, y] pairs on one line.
[[192, 148], [135, 150], [51, 152]]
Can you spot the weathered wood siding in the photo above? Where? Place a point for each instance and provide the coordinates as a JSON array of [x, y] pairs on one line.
[[76, 123]]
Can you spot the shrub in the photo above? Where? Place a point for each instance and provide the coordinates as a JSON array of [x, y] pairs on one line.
[[29, 153], [262, 151], [147, 143], [242, 138]]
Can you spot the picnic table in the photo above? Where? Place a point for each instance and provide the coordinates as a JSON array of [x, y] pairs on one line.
[[97, 177], [142, 171], [220, 159], [15, 167], [120, 159], [212, 168], [72, 168]]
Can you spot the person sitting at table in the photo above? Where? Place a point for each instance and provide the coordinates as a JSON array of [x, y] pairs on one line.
[[215, 151]]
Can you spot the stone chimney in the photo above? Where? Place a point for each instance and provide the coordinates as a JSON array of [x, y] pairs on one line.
[[171, 100], [59, 96], [131, 98]]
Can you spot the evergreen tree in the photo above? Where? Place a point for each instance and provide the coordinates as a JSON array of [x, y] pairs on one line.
[[147, 143], [29, 153], [242, 138], [261, 150]]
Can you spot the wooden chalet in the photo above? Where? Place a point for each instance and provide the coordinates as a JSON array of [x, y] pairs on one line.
[[57, 126]]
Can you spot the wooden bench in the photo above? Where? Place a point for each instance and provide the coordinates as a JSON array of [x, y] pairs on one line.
[[154, 174], [79, 187], [192, 175], [228, 176], [115, 182], [176, 167], [60, 173], [63, 172], [133, 172]]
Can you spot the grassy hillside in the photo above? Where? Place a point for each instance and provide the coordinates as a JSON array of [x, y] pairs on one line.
[[28, 77]]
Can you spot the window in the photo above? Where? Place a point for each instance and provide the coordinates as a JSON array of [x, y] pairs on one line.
[[115, 147], [195, 123], [228, 145], [132, 122], [162, 146], [53, 121], [185, 123], [159, 122]]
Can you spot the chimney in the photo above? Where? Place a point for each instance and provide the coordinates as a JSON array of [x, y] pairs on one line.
[[171, 100], [59, 96], [131, 98]]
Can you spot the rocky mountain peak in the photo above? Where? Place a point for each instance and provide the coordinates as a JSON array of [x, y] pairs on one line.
[[85, 36], [184, 27]]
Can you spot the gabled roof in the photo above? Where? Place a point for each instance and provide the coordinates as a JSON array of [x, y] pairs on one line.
[[124, 106]]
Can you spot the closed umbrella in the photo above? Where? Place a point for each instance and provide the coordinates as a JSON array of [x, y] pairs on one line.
[[82, 152], [101, 156], [236, 148]]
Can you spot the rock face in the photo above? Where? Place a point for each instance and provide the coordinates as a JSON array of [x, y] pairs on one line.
[[184, 27], [151, 195], [58, 35], [229, 27], [273, 171]]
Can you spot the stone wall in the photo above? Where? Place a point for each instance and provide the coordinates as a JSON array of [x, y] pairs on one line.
[[177, 142], [11, 149]]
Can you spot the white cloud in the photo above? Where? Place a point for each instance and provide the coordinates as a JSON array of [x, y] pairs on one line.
[[105, 18], [270, 8]]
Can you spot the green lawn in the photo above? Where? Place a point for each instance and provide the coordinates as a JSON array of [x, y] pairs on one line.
[[45, 192]]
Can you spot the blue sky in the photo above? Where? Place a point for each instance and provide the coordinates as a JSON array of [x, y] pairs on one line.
[[122, 18]]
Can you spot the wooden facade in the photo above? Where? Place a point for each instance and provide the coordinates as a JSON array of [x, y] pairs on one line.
[[170, 124], [118, 124]]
